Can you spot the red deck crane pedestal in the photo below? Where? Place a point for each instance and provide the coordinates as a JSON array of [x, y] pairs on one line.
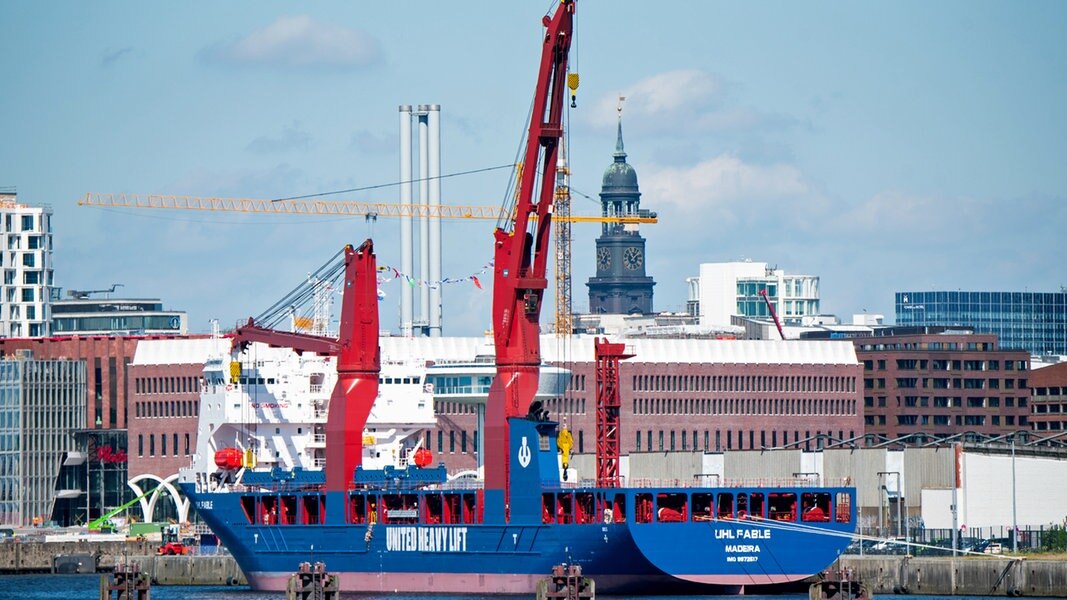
[[608, 405]]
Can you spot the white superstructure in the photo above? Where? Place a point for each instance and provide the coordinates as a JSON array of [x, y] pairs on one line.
[[274, 408]]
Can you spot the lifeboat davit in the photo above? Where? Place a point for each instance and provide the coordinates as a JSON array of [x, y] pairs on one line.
[[229, 458]]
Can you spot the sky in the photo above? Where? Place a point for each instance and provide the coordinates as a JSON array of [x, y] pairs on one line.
[[880, 146]]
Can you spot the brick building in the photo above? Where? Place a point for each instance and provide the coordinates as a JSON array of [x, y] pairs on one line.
[[682, 395], [939, 382], [1049, 400], [166, 378], [107, 362]]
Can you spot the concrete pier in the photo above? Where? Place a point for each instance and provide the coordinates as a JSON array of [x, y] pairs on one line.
[[958, 576]]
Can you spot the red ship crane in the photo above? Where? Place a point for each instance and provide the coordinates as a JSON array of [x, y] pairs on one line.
[[358, 362], [521, 256], [774, 315], [608, 406]]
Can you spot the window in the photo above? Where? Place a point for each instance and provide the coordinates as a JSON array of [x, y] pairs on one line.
[[140, 444], [28, 259], [27, 295], [27, 222]]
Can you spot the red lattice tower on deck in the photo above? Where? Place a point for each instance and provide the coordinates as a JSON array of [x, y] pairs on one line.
[[608, 405]]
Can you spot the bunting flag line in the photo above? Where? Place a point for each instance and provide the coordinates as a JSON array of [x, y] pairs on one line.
[[387, 274]]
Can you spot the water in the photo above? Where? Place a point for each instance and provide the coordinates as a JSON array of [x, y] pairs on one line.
[[81, 587]]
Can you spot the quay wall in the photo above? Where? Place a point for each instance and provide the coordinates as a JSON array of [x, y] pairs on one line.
[[958, 576], [885, 575], [35, 557], [38, 557], [192, 570]]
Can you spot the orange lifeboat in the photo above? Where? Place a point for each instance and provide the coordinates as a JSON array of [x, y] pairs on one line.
[[229, 458], [423, 458]]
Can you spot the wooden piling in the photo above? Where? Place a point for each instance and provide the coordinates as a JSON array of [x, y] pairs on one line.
[[312, 582], [566, 583], [126, 583]]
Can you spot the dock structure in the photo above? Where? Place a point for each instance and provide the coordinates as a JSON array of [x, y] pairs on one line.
[[566, 583], [839, 584], [127, 582], [312, 582]]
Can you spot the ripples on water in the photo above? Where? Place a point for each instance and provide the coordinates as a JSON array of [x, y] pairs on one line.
[[87, 587]]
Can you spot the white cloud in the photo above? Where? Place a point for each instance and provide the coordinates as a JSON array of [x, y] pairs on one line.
[[299, 41], [724, 182], [684, 101], [685, 91]]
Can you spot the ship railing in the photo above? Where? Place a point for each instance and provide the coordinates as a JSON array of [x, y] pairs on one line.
[[712, 480]]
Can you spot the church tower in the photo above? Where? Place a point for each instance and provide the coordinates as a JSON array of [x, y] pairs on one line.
[[620, 285]]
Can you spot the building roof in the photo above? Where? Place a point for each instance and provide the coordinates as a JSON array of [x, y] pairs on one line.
[[580, 349], [180, 351], [620, 177]]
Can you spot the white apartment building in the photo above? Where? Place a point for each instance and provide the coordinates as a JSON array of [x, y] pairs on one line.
[[26, 262], [733, 288]]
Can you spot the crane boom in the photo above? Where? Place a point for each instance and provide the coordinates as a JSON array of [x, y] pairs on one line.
[[521, 255], [343, 208], [774, 314], [102, 519], [358, 362]]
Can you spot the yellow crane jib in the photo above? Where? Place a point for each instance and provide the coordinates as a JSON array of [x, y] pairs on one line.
[[323, 207]]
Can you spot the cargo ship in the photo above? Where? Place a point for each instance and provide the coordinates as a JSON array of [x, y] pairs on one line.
[[409, 528]]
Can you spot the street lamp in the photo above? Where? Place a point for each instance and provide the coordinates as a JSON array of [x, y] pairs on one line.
[[1014, 519]]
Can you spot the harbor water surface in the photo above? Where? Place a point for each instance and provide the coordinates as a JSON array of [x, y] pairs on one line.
[[71, 587]]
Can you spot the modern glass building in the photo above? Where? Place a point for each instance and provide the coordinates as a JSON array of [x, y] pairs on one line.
[[116, 317], [42, 403], [726, 289], [1033, 321]]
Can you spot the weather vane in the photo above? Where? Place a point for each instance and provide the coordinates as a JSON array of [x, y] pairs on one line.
[[619, 107]]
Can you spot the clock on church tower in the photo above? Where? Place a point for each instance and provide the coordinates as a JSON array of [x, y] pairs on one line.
[[633, 258]]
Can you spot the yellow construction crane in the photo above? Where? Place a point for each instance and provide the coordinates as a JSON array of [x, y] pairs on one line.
[[351, 208]]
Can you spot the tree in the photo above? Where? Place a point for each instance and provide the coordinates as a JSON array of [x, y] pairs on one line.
[[1054, 539]]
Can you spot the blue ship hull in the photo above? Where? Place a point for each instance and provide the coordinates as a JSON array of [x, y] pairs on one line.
[[394, 533], [637, 558]]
